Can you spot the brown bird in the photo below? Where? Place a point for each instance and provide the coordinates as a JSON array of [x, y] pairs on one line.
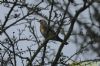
[[48, 32]]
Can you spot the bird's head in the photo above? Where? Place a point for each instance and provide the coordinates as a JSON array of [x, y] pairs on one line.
[[43, 22]]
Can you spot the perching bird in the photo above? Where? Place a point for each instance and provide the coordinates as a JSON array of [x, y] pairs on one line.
[[47, 32]]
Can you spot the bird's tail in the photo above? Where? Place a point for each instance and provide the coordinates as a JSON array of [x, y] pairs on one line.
[[59, 39]]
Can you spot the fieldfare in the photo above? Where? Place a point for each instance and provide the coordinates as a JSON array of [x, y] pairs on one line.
[[48, 32]]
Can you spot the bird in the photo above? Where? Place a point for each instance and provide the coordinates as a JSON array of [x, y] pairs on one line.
[[48, 32]]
